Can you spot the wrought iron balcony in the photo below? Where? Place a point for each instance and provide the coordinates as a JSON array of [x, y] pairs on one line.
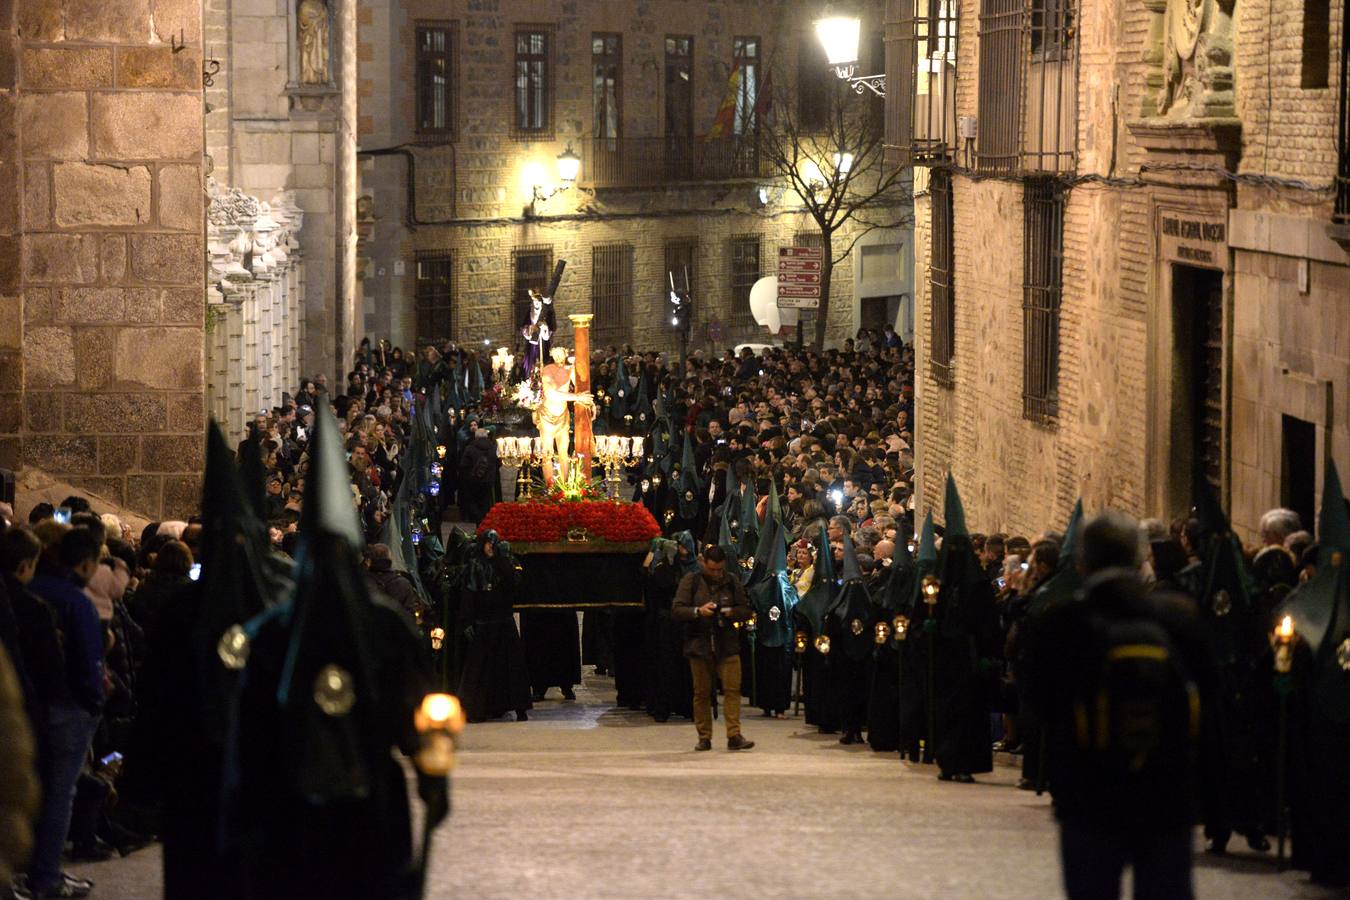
[[656, 161]]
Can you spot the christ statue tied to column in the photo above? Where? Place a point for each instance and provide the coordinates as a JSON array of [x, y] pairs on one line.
[[553, 416]]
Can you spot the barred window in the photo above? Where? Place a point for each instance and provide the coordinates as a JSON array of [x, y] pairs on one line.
[[1000, 88], [745, 271], [679, 86], [533, 83], [533, 266], [941, 281], [607, 85], [1316, 68], [611, 291], [437, 103], [681, 258], [434, 297], [1043, 274], [1051, 26], [921, 71], [1050, 89], [745, 57]]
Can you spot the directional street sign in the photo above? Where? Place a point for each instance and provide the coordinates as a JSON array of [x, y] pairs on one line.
[[799, 277]]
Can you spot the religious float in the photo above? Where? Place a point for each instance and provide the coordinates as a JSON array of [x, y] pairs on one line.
[[578, 544]]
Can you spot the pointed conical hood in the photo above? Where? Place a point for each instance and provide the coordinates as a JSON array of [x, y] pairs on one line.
[[773, 511], [618, 396], [952, 509], [819, 596], [688, 486], [1321, 605], [1207, 508], [769, 532], [1333, 525], [900, 584], [852, 572], [234, 585], [749, 516], [641, 407], [328, 506], [327, 661], [927, 542], [475, 381], [1072, 535], [774, 596], [853, 607]]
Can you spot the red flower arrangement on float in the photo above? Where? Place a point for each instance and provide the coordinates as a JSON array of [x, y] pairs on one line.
[[548, 521]]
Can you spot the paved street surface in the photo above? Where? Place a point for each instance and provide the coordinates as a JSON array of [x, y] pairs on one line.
[[588, 801]]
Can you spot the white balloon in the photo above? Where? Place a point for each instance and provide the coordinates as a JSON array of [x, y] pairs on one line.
[[764, 303]]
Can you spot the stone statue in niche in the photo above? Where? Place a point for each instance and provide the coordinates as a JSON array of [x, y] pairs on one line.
[[1197, 60], [312, 38]]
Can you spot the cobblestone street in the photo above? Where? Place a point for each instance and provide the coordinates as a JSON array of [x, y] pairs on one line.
[[588, 801]]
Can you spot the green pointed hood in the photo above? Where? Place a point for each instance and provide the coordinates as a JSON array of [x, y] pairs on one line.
[[619, 401], [689, 485], [1333, 525], [817, 599], [954, 512], [770, 531], [1073, 534], [749, 516], [927, 542], [900, 585], [773, 595], [1322, 604]]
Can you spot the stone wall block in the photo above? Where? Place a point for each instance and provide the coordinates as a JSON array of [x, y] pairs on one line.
[[61, 454], [67, 68], [101, 195], [40, 306], [183, 306], [120, 21], [179, 20], [54, 126], [147, 126], [86, 306], [186, 413], [115, 413], [118, 455], [11, 255], [182, 496], [144, 493], [112, 257], [167, 258], [172, 452], [94, 358], [37, 196], [110, 489], [142, 305], [162, 358], [42, 411], [48, 357], [41, 21], [11, 322], [11, 413], [61, 258], [180, 197], [158, 67], [11, 452], [11, 372]]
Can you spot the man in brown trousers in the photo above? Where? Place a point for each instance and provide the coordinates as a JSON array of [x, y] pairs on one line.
[[712, 602]]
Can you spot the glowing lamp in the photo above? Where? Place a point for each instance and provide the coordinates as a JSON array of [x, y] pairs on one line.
[[839, 37]]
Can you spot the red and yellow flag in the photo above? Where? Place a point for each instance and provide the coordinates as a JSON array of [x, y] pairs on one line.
[[726, 113]]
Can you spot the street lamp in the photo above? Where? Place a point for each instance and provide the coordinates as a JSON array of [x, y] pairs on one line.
[[839, 35], [569, 167]]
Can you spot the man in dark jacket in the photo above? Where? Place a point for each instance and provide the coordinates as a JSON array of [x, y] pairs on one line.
[[72, 719], [1126, 684], [397, 586], [712, 603], [478, 472]]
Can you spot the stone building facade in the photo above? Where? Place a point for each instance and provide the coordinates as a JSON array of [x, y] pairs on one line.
[[282, 117], [450, 238], [101, 247], [1151, 297]]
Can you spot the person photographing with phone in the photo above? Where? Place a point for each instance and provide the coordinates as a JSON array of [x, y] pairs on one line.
[[712, 603]]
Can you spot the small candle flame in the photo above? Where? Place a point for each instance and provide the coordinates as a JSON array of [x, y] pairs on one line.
[[1286, 630]]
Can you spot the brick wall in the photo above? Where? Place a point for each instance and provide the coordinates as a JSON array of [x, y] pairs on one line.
[[101, 299]]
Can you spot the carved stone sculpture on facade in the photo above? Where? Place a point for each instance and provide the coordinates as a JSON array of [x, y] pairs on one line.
[[1197, 60], [312, 41]]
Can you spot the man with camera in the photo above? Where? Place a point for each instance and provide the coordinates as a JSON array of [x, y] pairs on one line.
[[712, 604]]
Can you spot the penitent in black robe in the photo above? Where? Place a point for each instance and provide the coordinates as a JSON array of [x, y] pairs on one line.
[[552, 648], [495, 678]]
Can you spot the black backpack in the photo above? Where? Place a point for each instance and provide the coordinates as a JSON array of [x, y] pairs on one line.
[[1138, 721]]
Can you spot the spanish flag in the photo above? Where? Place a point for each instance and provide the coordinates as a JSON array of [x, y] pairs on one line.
[[726, 113]]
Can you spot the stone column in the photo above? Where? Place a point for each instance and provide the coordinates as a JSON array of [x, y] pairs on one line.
[[583, 443]]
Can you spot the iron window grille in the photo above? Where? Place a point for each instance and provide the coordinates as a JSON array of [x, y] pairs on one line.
[[745, 57], [611, 291], [1050, 88], [1042, 290], [607, 86], [1000, 90], [533, 83], [941, 281], [920, 60], [434, 297], [681, 257], [437, 92], [532, 267], [745, 271]]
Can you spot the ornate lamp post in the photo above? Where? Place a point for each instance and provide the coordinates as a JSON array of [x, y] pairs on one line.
[[839, 36]]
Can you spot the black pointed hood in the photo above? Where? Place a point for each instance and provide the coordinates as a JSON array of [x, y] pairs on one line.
[[820, 595], [253, 476], [773, 594], [853, 608]]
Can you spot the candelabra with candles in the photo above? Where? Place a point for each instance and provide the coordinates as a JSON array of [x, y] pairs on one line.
[[521, 452], [502, 363], [616, 452], [1282, 642], [931, 587]]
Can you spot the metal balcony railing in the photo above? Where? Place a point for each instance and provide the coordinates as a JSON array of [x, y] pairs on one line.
[[656, 161]]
